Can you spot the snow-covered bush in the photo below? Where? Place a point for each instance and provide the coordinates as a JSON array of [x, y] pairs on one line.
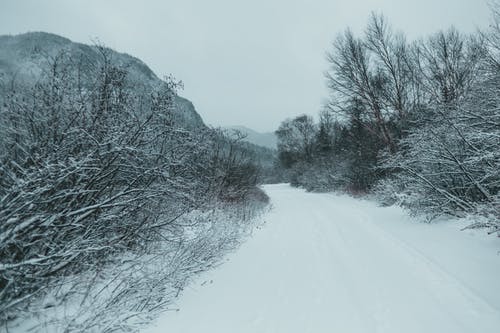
[[94, 171]]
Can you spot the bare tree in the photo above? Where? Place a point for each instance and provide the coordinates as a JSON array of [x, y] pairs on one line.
[[352, 77]]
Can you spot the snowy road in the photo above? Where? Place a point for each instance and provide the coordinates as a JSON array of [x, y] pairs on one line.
[[326, 263]]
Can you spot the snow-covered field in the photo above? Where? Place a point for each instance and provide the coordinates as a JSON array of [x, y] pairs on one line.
[[328, 263]]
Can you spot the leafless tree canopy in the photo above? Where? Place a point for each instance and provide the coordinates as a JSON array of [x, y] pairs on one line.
[[416, 122]]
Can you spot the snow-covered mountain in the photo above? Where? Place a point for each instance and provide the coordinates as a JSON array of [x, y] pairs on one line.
[[23, 58], [267, 140]]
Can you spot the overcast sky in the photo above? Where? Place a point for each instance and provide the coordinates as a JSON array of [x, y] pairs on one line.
[[252, 62]]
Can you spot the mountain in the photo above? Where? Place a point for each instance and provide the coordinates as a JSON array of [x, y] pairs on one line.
[[267, 140], [24, 57]]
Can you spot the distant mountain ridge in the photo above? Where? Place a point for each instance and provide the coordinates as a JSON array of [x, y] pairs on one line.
[[267, 140], [23, 57]]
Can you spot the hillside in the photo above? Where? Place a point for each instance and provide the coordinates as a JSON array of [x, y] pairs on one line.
[[267, 140], [23, 58]]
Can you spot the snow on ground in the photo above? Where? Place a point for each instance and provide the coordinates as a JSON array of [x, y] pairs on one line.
[[329, 263]]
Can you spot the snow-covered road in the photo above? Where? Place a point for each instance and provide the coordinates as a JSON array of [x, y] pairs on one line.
[[327, 263]]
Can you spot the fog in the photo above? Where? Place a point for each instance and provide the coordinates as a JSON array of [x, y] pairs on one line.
[[251, 63]]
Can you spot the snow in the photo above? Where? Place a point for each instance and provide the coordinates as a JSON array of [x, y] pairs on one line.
[[332, 263]]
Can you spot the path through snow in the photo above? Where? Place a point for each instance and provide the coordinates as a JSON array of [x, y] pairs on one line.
[[327, 263]]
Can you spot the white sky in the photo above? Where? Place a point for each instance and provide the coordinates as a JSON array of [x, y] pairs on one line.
[[252, 62]]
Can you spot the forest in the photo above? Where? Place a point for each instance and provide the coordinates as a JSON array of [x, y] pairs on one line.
[[413, 123]]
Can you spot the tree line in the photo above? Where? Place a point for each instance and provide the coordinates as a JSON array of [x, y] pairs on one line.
[[415, 122]]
